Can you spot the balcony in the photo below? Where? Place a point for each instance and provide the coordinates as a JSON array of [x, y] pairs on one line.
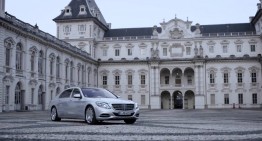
[[171, 86]]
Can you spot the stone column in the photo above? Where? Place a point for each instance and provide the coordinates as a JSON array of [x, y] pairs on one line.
[[154, 86], [199, 84], [2, 7], [2, 51]]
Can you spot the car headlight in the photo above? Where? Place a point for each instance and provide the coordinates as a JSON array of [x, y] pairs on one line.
[[103, 105]]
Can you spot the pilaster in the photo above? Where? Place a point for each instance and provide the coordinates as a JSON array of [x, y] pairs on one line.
[[2, 7], [2, 50]]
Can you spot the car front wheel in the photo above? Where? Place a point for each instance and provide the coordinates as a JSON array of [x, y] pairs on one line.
[[90, 116], [54, 116], [130, 121]]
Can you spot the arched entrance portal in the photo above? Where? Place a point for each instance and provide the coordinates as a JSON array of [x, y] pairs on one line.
[[165, 100], [189, 101], [178, 100], [19, 97], [41, 98]]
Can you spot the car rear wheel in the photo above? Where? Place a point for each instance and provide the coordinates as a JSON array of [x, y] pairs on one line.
[[90, 116], [130, 121], [54, 115]]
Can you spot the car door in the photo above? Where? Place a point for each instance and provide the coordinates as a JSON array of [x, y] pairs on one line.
[[63, 103], [77, 105]]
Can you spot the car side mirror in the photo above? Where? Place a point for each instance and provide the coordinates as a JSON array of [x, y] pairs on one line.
[[77, 96]]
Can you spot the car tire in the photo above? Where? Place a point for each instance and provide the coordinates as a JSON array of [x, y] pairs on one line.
[[54, 115], [90, 116], [130, 121]]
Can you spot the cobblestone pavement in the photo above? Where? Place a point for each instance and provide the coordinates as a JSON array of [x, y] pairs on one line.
[[152, 125]]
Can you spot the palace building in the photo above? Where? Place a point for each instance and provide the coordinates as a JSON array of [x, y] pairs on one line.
[[175, 65]]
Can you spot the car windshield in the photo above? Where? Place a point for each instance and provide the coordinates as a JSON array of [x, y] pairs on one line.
[[97, 93]]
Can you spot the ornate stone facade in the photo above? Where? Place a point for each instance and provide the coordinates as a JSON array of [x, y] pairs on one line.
[[176, 65]]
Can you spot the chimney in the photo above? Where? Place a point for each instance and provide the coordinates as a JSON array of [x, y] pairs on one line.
[[2, 8]]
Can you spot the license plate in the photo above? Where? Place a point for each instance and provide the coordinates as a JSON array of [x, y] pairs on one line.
[[123, 113]]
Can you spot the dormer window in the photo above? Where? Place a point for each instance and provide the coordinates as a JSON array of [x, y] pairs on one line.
[[82, 10], [68, 11]]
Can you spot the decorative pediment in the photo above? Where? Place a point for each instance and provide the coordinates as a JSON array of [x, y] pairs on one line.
[[142, 45], [188, 44], [164, 44], [224, 42], [254, 68], [117, 71], [239, 42], [239, 69], [117, 46], [9, 41], [105, 46], [142, 71], [226, 69], [240, 90], [8, 79], [177, 29], [129, 71], [212, 69], [211, 43], [33, 82], [252, 41], [104, 72], [176, 33], [129, 45]]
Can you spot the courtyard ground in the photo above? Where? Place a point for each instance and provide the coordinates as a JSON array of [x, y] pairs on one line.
[[230, 124]]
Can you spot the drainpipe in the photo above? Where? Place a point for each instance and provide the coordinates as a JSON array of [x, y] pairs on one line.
[[45, 102], [205, 84], [149, 105]]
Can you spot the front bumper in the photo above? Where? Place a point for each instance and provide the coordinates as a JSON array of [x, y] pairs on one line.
[[111, 114]]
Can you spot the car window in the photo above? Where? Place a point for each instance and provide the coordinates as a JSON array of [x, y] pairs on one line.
[[76, 91], [66, 94], [97, 93]]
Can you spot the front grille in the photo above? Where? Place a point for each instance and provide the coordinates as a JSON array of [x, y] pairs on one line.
[[123, 107]]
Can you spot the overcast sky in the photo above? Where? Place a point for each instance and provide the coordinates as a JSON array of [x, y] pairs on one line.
[[139, 13]]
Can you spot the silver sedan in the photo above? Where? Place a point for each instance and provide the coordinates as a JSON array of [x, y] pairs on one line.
[[92, 105]]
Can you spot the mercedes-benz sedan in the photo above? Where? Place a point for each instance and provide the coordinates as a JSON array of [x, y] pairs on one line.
[[93, 105]]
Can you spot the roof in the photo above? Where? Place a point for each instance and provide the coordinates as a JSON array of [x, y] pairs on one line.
[[223, 28], [90, 5], [148, 31]]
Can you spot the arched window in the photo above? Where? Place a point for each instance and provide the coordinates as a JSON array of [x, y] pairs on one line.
[[32, 60], [78, 73], [254, 76], [41, 63], [240, 76], [52, 61], [8, 51], [212, 77], [57, 67], [8, 54], [19, 56], [40, 95], [83, 74], [71, 71], [18, 93], [66, 69]]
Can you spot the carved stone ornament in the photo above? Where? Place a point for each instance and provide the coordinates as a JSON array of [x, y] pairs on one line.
[[176, 33], [33, 82]]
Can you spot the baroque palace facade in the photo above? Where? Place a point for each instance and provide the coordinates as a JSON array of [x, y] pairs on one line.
[[174, 65]]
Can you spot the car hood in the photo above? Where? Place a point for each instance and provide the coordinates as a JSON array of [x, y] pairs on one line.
[[114, 101]]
